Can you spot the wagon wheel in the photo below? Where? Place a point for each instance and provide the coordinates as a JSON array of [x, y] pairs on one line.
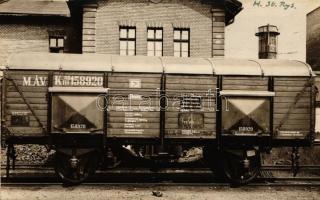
[[236, 171], [86, 165]]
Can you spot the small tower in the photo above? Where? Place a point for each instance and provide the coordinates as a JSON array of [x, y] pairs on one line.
[[268, 41]]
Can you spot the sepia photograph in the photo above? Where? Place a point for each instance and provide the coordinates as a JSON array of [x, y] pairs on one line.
[[160, 99]]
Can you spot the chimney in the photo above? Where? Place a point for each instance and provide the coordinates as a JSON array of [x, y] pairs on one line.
[[268, 41]]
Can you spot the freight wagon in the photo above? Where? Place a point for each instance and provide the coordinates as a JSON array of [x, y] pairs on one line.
[[93, 108]]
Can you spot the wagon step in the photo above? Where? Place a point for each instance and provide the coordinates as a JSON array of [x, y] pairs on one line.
[[266, 174]]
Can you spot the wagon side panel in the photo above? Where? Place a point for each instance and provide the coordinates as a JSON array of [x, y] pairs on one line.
[[245, 106], [292, 107], [77, 102], [245, 83], [26, 104], [191, 106], [133, 105]]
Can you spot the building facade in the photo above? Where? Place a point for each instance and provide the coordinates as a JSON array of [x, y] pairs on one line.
[[188, 28], [313, 39], [182, 28], [313, 55], [38, 26]]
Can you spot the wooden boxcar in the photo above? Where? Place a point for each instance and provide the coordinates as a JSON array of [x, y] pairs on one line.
[[88, 107]]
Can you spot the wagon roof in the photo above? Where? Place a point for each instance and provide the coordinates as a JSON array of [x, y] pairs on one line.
[[273, 67], [57, 61], [236, 67], [168, 65]]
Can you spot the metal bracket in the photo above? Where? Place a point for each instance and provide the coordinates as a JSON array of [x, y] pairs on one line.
[[11, 154], [295, 160]]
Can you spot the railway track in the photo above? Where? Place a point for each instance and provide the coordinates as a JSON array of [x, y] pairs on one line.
[[44, 175], [264, 167]]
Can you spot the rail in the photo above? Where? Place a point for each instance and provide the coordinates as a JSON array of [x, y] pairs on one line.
[[25, 175]]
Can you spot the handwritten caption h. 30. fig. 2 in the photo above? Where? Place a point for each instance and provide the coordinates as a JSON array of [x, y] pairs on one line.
[[273, 4]]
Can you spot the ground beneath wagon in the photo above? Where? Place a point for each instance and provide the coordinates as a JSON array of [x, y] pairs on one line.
[[84, 192]]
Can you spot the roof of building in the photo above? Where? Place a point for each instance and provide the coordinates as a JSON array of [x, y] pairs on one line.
[[34, 8], [233, 7], [168, 65], [313, 11], [60, 8]]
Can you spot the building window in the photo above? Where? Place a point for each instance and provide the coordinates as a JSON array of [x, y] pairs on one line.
[[155, 41], [181, 40], [56, 41], [127, 41]]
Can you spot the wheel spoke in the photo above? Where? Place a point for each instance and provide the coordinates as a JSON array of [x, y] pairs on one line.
[[86, 165], [235, 170]]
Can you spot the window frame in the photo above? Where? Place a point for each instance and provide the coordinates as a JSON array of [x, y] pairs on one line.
[[57, 35], [154, 40], [181, 41], [127, 39]]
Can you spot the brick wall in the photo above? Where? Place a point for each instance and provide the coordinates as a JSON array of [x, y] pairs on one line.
[[218, 28], [26, 35], [20, 38], [89, 28], [101, 25]]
